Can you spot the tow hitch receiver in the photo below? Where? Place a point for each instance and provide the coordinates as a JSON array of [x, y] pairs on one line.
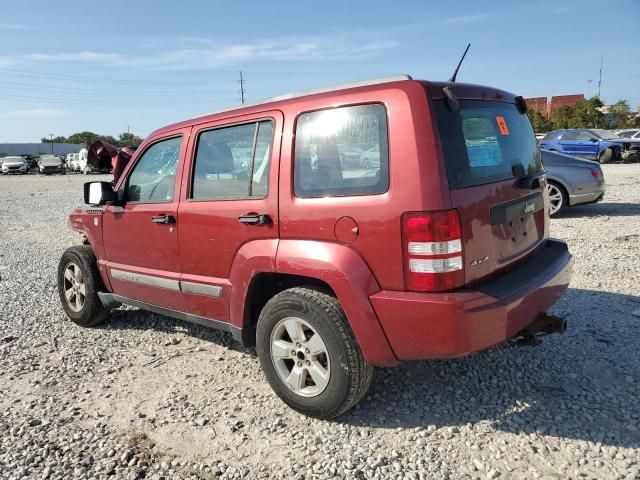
[[544, 324]]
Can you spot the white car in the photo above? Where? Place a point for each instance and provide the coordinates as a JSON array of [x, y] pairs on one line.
[[14, 165], [631, 133]]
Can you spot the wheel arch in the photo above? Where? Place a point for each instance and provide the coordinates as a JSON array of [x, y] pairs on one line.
[[330, 267], [350, 278], [562, 184]]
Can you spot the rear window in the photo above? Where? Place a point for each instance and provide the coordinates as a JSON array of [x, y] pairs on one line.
[[341, 152], [486, 142]]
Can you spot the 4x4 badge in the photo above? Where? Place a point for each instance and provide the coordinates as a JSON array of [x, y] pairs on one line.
[[479, 261]]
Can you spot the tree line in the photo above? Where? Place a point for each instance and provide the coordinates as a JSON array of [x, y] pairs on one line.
[[125, 139], [585, 114]]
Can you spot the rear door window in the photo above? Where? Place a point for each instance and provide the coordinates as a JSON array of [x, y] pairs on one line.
[[233, 162], [341, 152], [486, 142]]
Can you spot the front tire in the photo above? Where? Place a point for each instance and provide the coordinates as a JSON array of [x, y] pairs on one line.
[[309, 354], [605, 156], [78, 285]]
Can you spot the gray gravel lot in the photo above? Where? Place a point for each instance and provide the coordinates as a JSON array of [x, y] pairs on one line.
[[147, 396]]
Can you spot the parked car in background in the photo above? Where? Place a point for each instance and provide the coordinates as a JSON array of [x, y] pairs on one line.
[[74, 164], [571, 181], [50, 164], [631, 133], [370, 158], [594, 144], [14, 164], [31, 161], [437, 250]]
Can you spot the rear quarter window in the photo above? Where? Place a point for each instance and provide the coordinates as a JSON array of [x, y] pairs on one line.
[[486, 142], [341, 152]]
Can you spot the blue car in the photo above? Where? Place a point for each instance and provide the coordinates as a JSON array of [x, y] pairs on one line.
[[593, 144]]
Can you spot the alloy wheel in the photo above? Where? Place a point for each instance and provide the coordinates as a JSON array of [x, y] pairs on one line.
[[555, 198], [74, 287], [300, 357]]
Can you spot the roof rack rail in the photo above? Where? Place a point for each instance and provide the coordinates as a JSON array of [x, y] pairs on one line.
[[363, 83]]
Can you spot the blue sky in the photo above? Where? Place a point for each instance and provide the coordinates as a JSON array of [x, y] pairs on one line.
[[106, 66]]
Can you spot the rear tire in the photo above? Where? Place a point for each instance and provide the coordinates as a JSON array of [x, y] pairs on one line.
[[78, 285], [605, 156], [558, 198], [309, 354]]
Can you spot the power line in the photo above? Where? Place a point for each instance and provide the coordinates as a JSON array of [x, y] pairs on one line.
[[102, 91], [146, 81], [78, 101], [54, 90]]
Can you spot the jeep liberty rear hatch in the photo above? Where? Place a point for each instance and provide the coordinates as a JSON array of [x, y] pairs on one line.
[[494, 173]]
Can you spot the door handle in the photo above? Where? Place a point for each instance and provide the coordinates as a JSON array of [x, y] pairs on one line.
[[254, 219], [163, 219]]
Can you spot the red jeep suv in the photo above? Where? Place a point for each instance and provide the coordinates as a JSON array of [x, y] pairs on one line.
[[334, 230]]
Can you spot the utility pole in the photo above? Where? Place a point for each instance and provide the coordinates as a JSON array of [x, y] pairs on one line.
[[51, 138], [241, 88], [600, 78]]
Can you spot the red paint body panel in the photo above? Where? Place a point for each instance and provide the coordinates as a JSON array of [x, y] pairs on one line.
[[252, 259], [495, 241], [361, 259], [351, 280], [133, 243], [84, 221], [445, 325], [210, 236]]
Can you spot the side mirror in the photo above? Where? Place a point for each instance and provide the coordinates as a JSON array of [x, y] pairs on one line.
[[594, 139], [99, 193]]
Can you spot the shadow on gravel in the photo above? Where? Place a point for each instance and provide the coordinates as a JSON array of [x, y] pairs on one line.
[[582, 385], [129, 319], [602, 209]]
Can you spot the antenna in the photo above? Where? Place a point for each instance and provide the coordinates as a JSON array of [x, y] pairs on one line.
[[453, 77], [241, 88]]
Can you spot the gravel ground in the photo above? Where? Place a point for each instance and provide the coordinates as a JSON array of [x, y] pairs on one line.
[[145, 396]]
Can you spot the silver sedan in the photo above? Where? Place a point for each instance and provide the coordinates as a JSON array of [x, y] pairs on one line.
[[571, 181]]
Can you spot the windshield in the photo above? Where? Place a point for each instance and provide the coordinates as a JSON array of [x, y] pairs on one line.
[[627, 133], [486, 142], [50, 160], [604, 134]]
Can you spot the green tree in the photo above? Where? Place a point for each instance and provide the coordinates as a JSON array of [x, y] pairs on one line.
[[621, 113], [58, 139], [87, 138], [538, 122], [127, 139], [562, 117]]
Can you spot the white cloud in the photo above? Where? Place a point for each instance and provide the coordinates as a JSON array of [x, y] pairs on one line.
[[12, 26], [465, 19], [85, 56], [34, 113], [205, 53]]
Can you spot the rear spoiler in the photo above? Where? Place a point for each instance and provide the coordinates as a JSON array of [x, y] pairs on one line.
[[102, 156]]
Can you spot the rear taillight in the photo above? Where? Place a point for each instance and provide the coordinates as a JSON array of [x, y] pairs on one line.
[[432, 243], [596, 173]]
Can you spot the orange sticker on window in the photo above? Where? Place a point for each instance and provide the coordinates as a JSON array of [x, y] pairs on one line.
[[502, 125]]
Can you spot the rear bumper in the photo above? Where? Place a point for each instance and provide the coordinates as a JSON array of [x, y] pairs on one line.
[[584, 198], [421, 326]]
